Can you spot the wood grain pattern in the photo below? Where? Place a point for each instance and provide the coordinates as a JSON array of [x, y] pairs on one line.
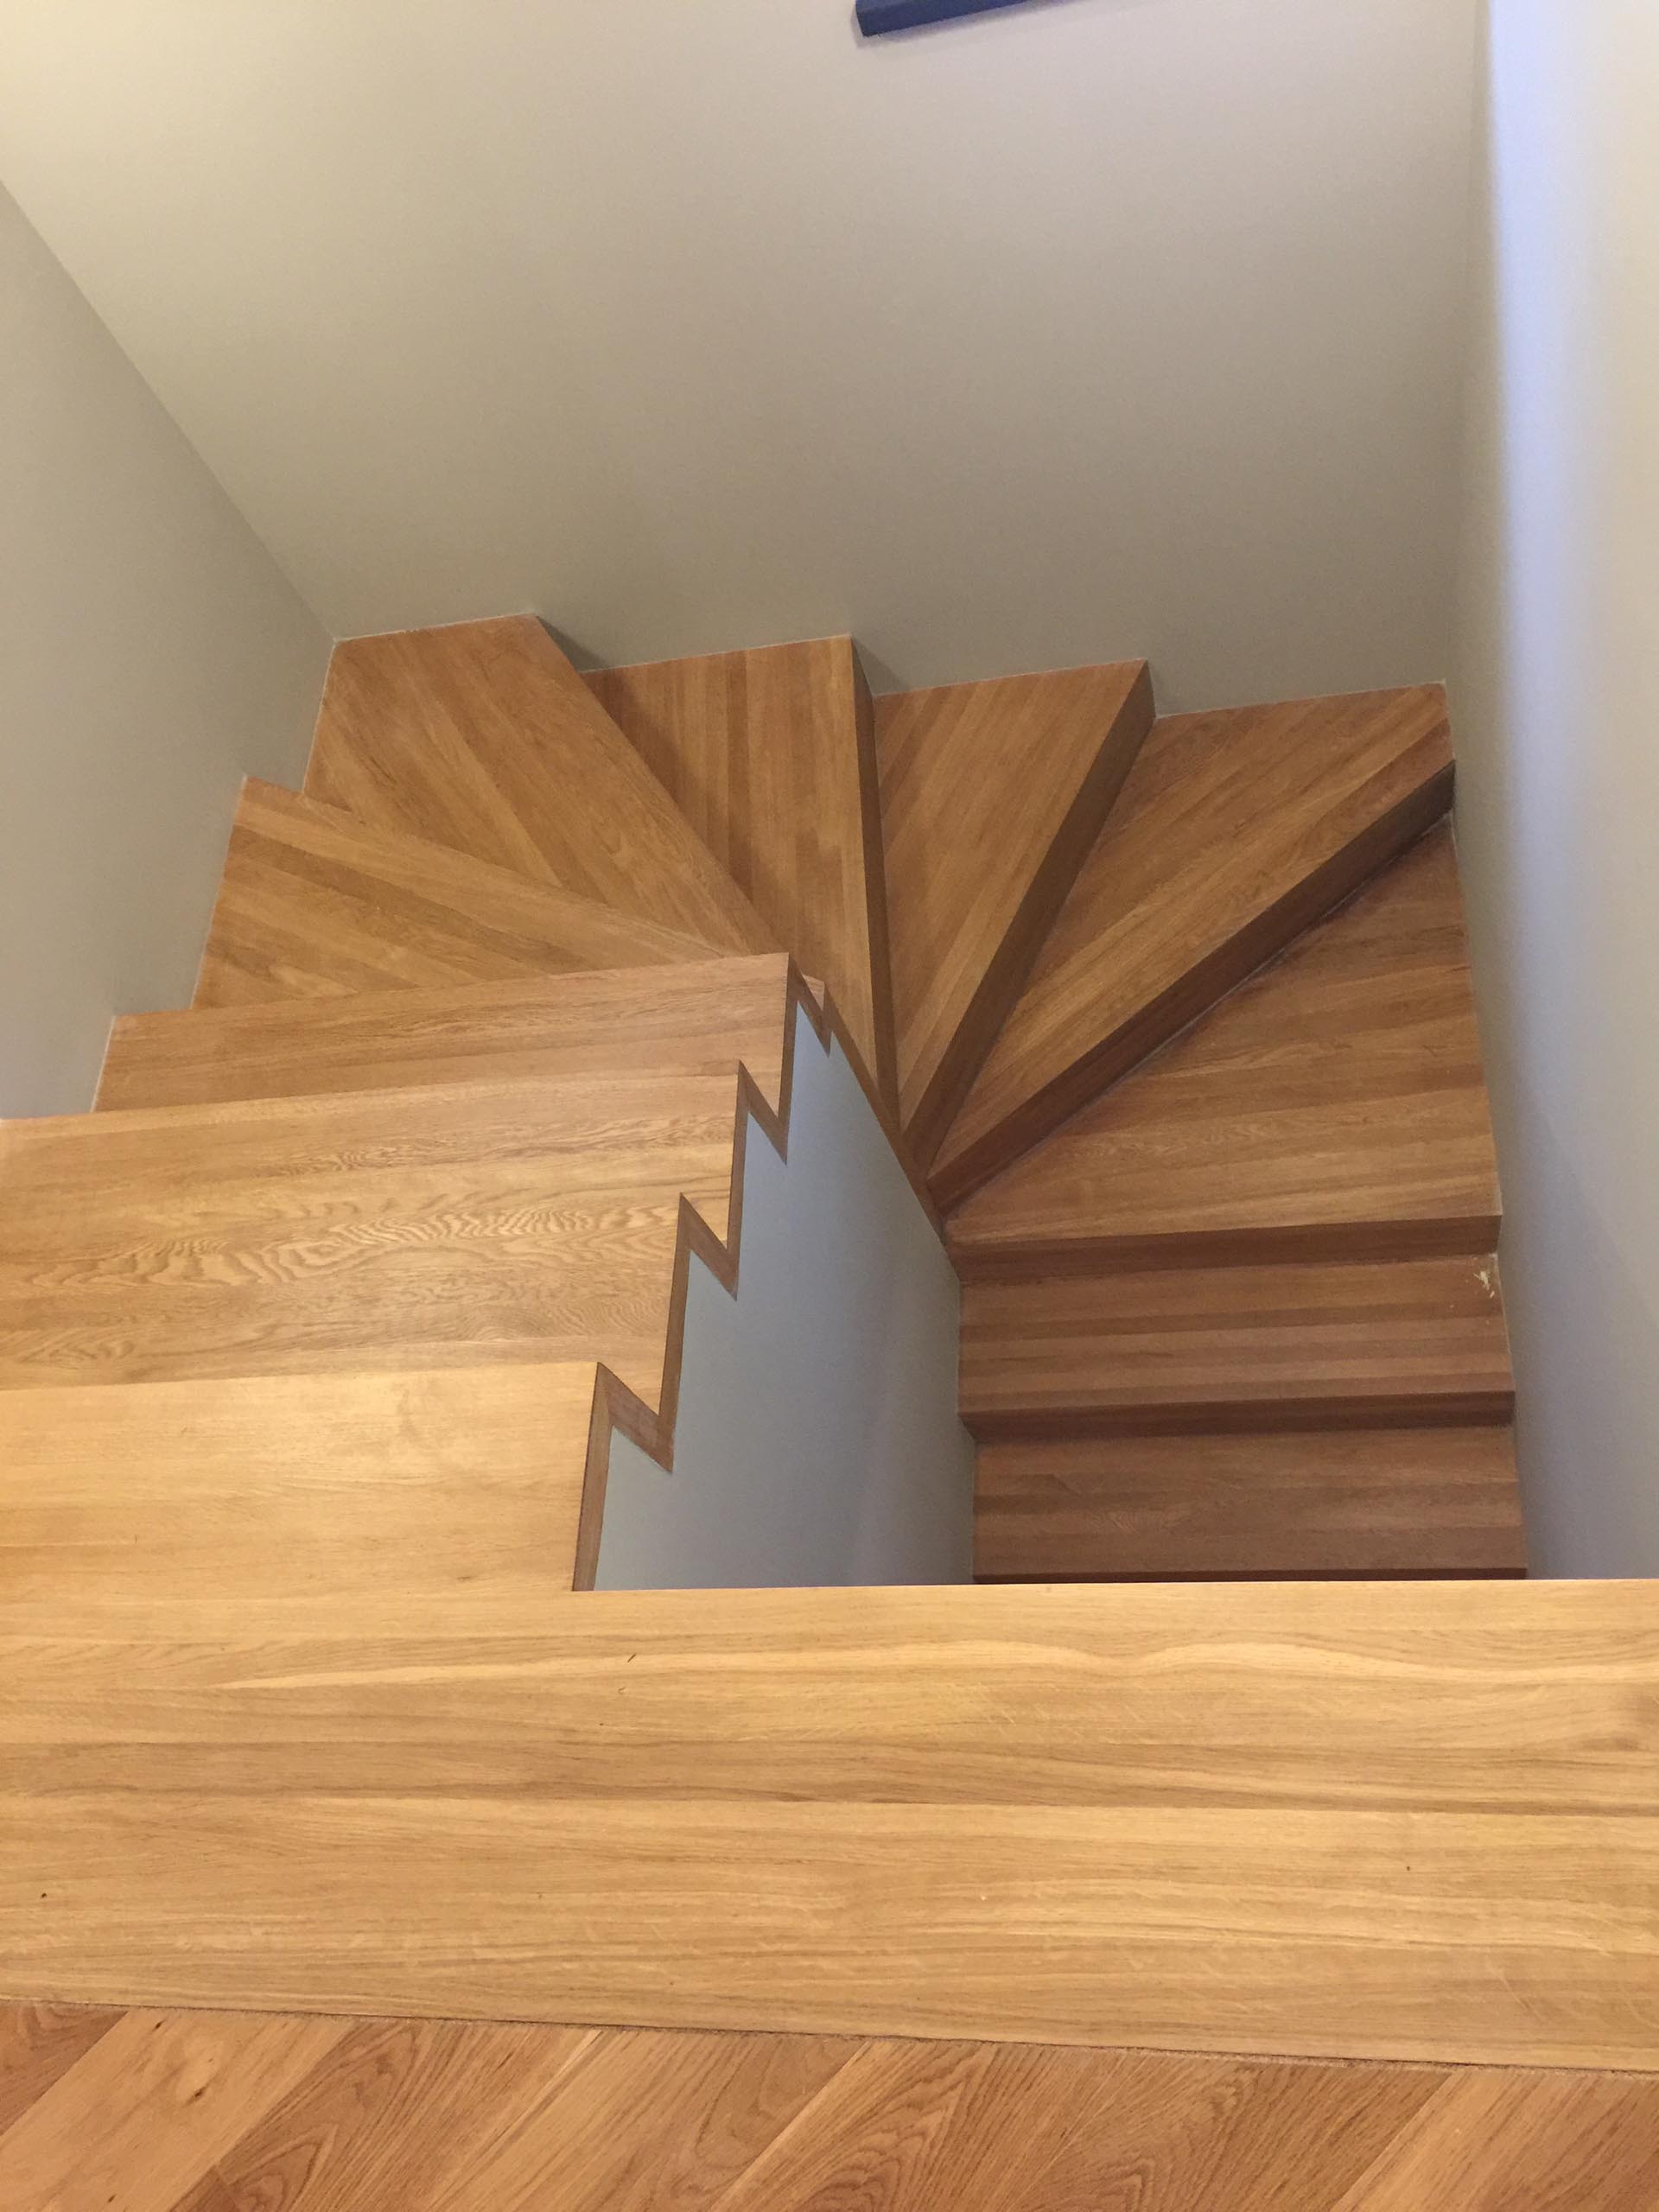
[[1331, 1107], [1312, 1344], [677, 1021], [482, 736], [135, 2121], [425, 2116], [1358, 1502], [1372, 1819], [327, 1503], [37, 2044], [769, 755], [458, 1225], [311, 905], [992, 794], [1234, 831]]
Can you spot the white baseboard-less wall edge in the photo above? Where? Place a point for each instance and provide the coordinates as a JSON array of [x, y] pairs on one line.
[[817, 1441]]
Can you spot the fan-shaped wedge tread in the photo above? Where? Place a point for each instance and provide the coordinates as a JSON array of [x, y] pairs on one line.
[[483, 737], [313, 904], [1331, 1107], [1234, 831]]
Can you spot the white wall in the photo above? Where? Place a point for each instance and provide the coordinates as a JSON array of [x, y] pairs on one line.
[[1101, 327], [1557, 713], [149, 654], [817, 1441]]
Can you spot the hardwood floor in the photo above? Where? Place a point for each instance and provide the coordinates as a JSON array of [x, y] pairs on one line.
[[226, 2112], [769, 755], [1381, 1820]]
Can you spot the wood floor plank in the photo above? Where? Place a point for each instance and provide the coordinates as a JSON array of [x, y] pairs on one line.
[[313, 904], [1356, 1502], [324, 1503], [992, 794], [37, 2044], [398, 2114], [1486, 2142], [1213, 1348], [692, 1019], [482, 736], [769, 755], [1332, 1107], [443, 2116], [141, 2117], [713, 2102], [1234, 832], [460, 1225], [1373, 1821]]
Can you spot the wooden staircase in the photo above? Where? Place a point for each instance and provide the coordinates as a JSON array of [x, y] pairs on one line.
[[314, 1336]]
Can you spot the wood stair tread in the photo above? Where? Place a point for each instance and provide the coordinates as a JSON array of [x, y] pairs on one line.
[[1333, 1106], [1234, 831], [313, 904], [1176, 1349], [1395, 1820], [347, 1504], [770, 756], [992, 794], [482, 736], [457, 1224], [689, 1019], [1363, 1502]]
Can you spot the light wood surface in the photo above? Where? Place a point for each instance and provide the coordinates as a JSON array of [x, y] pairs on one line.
[[1331, 1107], [1235, 831], [1218, 1348], [446, 2116], [1384, 1820], [1358, 1502], [456, 1225], [312, 905], [482, 736], [320, 1503], [769, 755], [695, 1020], [992, 794]]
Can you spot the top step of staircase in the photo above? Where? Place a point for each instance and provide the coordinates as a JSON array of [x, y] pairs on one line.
[[483, 737]]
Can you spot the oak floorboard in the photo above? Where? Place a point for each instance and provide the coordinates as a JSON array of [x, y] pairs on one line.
[[1354, 1502], [37, 2044], [991, 796], [1332, 1107], [693, 1020], [482, 736], [1235, 831], [314, 905], [1315, 1344], [136, 2120], [444, 2116], [769, 755], [1371, 1821]]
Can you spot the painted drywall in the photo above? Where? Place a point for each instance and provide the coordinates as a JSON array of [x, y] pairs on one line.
[[1556, 702], [1098, 327], [817, 1441], [150, 653]]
